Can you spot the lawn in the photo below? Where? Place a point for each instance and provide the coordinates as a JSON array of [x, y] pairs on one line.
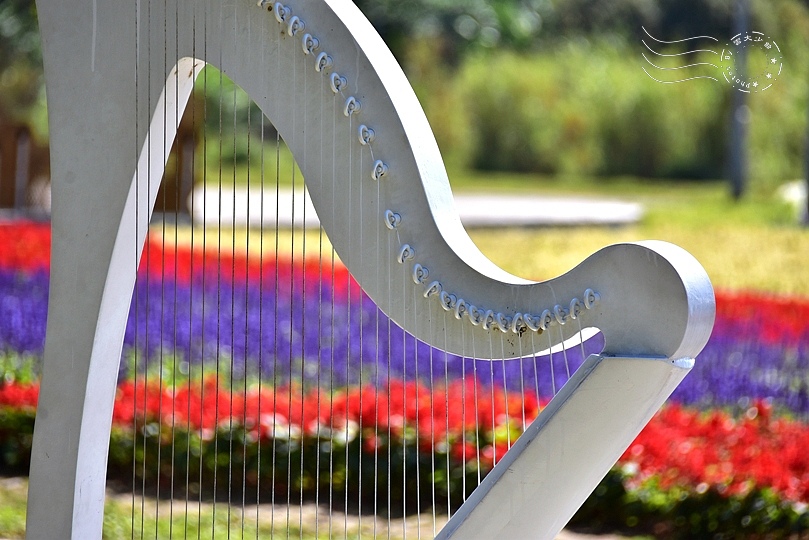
[[755, 244], [176, 519]]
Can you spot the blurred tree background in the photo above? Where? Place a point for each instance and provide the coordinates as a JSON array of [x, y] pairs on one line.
[[549, 86], [556, 86], [22, 93]]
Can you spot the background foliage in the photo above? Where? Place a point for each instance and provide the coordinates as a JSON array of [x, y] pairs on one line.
[[546, 86]]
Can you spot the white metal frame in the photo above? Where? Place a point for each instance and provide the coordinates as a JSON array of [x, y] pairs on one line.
[[119, 75]]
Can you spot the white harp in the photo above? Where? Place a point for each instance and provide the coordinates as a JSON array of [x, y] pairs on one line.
[[119, 75]]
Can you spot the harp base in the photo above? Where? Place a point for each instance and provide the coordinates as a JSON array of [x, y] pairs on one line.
[[548, 473]]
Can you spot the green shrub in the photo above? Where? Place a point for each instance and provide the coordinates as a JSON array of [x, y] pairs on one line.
[[291, 470], [589, 109], [688, 514], [585, 107]]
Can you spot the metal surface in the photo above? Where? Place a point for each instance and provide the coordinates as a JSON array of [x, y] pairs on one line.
[[118, 77], [552, 468]]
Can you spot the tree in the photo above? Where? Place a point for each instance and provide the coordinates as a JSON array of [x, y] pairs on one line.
[[21, 79]]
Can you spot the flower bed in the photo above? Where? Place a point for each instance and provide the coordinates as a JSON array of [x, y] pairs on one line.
[[304, 321], [689, 473], [733, 438], [759, 347]]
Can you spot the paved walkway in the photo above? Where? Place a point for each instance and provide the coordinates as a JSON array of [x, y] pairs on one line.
[[475, 209]]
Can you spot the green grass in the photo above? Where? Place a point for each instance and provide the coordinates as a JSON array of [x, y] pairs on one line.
[[201, 521], [13, 496], [756, 244], [119, 512], [169, 519], [205, 521]]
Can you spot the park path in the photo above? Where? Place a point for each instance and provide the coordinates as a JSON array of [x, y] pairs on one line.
[[258, 207], [313, 518], [317, 521]]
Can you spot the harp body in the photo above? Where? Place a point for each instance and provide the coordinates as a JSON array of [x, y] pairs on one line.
[[118, 78]]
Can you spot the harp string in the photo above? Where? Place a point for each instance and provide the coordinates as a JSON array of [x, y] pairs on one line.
[[367, 339], [332, 426], [446, 442], [418, 382], [246, 319], [161, 297], [163, 233], [404, 422], [361, 315], [291, 330], [417, 423], [177, 181], [347, 148], [388, 349], [581, 340], [477, 415], [276, 351], [204, 272], [550, 361], [319, 434], [317, 232], [521, 360], [536, 370], [305, 230], [493, 399], [136, 296], [304, 317], [162, 304], [505, 396], [191, 209], [564, 352], [463, 420], [377, 382], [260, 367], [349, 338], [148, 289], [218, 355], [231, 375]]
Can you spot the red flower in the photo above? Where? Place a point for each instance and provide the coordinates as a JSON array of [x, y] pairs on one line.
[[25, 246]]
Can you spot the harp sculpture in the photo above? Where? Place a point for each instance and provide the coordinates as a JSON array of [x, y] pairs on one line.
[[119, 75]]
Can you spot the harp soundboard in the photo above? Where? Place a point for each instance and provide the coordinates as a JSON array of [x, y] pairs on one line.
[[119, 77]]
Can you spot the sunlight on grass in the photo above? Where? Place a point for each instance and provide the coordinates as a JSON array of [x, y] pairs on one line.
[[175, 519], [738, 258], [13, 498], [755, 244], [205, 521]]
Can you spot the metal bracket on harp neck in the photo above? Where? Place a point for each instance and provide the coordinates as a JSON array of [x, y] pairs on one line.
[[488, 319], [323, 64]]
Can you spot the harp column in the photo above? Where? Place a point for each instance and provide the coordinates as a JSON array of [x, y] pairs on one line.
[[100, 112], [90, 292]]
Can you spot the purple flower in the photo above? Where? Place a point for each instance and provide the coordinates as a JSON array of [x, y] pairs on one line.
[[286, 331]]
